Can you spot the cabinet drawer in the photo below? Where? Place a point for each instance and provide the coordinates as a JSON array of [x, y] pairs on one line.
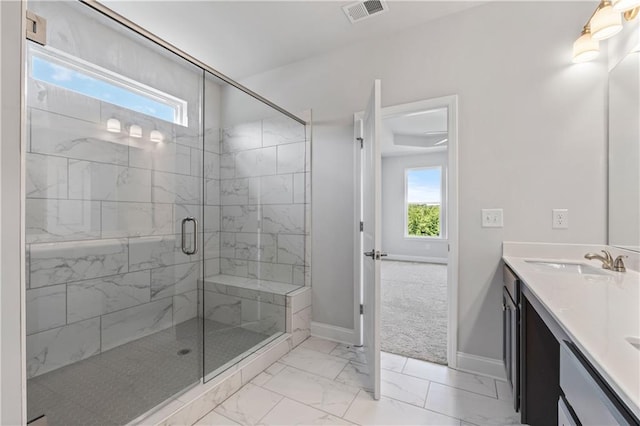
[[589, 399]]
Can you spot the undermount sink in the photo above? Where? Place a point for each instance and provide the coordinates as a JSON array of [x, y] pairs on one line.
[[634, 341], [566, 267]]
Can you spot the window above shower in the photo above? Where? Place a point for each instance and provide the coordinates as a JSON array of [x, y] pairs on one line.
[[79, 76]]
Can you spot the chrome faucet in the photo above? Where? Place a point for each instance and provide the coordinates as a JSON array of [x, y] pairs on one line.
[[607, 261]]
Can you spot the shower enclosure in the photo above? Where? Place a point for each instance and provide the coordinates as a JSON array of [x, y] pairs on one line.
[[166, 213]]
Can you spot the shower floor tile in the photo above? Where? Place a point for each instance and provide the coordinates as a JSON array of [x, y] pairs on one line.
[[125, 382]]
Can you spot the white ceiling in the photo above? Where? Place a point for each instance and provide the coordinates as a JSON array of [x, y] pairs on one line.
[[243, 38], [415, 133]]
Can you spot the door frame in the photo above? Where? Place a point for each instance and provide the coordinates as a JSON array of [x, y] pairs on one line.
[[451, 103]]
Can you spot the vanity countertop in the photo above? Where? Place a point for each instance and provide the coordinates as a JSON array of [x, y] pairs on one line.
[[598, 312]]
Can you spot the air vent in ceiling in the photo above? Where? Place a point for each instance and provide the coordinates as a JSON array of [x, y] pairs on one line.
[[361, 10]]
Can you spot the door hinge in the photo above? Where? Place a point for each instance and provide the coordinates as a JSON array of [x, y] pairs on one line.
[[361, 140], [36, 28], [361, 226], [361, 309]]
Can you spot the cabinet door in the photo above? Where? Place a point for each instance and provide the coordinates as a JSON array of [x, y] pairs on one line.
[[507, 335], [565, 418]]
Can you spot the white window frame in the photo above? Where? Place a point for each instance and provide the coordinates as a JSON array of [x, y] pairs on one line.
[[63, 59], [443, 203]]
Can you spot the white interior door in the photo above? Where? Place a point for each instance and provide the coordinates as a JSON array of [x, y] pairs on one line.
[[371, 188]]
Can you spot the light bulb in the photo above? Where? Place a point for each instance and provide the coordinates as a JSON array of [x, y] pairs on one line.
[[156, 136], [135, 131], [585, 48], [113, 125], [624, 5], [606, 22]]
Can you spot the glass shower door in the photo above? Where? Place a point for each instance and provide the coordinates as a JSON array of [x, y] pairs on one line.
[[114, 190]]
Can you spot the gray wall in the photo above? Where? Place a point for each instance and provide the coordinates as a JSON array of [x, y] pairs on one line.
[[531, 135], [393, 210]]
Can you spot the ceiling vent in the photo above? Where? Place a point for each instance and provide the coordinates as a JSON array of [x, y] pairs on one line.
[[362, 10]]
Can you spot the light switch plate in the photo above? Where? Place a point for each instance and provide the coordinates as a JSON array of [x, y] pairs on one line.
[[492, 218], [560, 219]]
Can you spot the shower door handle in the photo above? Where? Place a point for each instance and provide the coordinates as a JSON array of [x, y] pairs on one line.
[[185, 249]]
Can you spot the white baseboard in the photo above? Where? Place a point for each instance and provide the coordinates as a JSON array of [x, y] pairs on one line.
[[332, 332], [404, 258], [481, 365]]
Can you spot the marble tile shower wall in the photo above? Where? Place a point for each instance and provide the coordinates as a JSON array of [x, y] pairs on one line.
[[265, 201], [103, 212]]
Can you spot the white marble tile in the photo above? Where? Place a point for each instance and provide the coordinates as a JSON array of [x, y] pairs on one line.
[[291, 158], [136, 219], [154, 252], [319, 345], [262, 378], [61, 220], [227, 166], [234, 192], [88, 299], [301, 188], [349, 352], [212, 192], [286, 218], [108, 182], [315, 362], [129, 324], [290, 412], [291, 249], [236, 267], [61, 101], [71, 138], [299, 275], [301, 326], [470, 406], [300, 299], [242, 137], [211, 165], [185, 307], [403, 388], [270, 271], [249, 405], [228, 244], [256, 162], [46, 308], [354, 374], [211, 220], [448, 376], [58, 347], [45, 176], [55, 263], [222, 308], [393, 362], [367, 411], [211, 267], [163, 157], [315, 391], [215, 419], [261, 317], [504, 390], [281, 130], [211, 245], [174, 188], [264, 361], [182, 211], [256, 247], [276, 189], [240, 218], [173, 280]]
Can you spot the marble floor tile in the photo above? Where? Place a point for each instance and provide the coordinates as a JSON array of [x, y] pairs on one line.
[[312, 390], [350, 352], [262, 378], [404, 388], [366, 411], [392, 362], [469, 406], [289, 412], [320, 345], [504, 390], [215, 419], [319, 363], [447, 376], [249, 404], [354, 374]]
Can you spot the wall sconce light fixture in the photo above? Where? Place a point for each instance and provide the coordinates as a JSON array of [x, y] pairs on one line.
[[113, 125], [135, 131], [156, 136], [605, 22]]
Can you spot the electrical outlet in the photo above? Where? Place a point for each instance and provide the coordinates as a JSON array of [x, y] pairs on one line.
[[560, 219], [492, 218]]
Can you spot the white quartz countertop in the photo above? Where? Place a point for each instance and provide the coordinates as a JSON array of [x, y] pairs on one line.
[[598, 312]]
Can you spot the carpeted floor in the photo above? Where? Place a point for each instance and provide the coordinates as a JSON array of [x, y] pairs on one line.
[[414, 310]]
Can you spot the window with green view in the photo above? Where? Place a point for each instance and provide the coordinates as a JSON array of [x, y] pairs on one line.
[[423, 200]]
